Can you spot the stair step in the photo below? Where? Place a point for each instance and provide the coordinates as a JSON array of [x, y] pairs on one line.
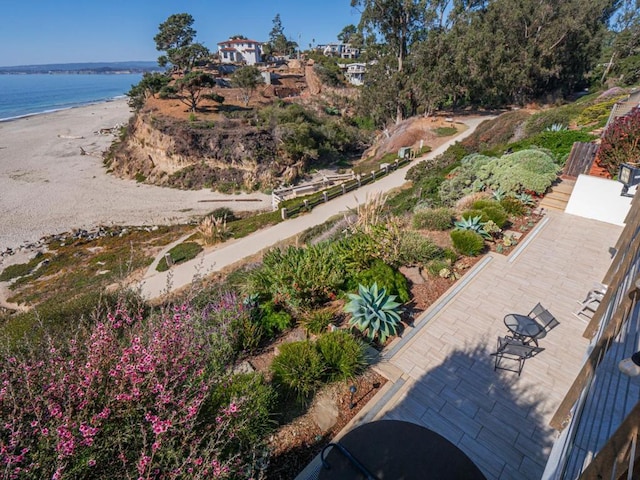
[[553, 203]]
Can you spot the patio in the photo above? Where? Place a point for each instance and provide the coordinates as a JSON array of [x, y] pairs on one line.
[[442, 375]]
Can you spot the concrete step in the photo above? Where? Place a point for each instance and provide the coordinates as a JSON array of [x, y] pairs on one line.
[[553, 203]]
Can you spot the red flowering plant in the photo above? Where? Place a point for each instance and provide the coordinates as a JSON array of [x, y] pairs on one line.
[[621, 142], [125, 399]]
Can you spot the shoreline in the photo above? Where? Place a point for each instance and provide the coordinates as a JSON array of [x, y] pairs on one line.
[[62, 109], [52, 179]]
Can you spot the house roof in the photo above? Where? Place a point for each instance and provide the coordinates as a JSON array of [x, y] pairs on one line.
[[239, 40]]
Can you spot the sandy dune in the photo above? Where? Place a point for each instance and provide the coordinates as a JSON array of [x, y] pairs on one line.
[[47, 186]]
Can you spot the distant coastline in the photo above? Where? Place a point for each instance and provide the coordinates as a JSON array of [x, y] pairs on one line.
[[92, 68]]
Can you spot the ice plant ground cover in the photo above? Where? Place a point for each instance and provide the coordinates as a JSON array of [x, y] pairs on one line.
[[129, 397]]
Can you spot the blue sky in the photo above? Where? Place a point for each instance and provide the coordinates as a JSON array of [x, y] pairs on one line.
[[63, 31]]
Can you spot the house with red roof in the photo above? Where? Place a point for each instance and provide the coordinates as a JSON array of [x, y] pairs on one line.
[[240, 50]]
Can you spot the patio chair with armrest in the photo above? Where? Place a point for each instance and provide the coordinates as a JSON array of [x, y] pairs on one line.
[[546, 320], [513, 350]]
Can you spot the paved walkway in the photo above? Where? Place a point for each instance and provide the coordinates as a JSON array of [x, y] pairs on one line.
[[155, 284], [443, 375]]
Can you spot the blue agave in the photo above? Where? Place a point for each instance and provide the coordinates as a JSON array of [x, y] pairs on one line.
[[472, 223], [374, 312]]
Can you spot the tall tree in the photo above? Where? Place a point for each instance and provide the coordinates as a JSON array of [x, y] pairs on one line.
[[277, 40], [175, 37], [400, 23], [347, 33]]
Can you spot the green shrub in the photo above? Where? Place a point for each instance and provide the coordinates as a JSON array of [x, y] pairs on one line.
[[529, 170], [467, 242], [471, 214], [298, 277], [342, 353], [539, 122], [224, 212], [469, 177], [299, 368], [385, 277], [558, 143], [317, 321], [273, 319], [355, 252], [598, 113], [491, 210], [513, 206], [433, 219], [179, 254], [374, 312], [415, 249], [445, 131]]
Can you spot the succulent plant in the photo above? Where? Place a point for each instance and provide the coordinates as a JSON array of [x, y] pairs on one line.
[[374, 312], [474, 224], [556, 127], [498, 194], [525, 199]]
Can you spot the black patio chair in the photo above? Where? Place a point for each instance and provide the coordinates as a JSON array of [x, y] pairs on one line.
[[513, 350], [546, 320]]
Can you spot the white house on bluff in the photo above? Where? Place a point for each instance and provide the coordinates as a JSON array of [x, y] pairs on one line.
[[240, 50]]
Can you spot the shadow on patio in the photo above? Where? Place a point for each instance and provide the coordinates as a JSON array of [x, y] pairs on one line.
[[493, 417]]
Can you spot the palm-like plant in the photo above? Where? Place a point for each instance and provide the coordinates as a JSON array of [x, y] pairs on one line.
[[474, 224], [525, 199], [374, 312]]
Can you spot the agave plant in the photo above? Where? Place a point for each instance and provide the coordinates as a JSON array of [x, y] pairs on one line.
[[556, 127], [472, 223], [525, 199], [374, 312], [498, 194]]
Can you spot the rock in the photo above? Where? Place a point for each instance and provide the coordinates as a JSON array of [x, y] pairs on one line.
[[413, 274], [243, 367], [325, 412]]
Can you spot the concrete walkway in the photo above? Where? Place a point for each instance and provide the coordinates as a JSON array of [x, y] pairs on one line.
[[155, 284], [442, 374]]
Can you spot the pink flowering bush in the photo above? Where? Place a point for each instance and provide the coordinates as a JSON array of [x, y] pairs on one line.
[[126, 399]]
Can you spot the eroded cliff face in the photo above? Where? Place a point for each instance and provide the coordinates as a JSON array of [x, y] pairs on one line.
[[225, 156]]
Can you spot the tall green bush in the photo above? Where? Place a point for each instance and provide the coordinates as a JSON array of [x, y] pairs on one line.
[[342, 353], [385, 277], [299, 368], [298, 277], [467, 242]]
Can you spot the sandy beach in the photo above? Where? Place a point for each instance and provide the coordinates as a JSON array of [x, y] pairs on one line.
[[47, 186]]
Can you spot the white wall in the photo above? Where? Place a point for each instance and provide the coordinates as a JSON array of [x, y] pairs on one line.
[[600, 199]]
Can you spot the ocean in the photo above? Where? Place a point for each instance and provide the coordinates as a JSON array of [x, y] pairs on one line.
[[30, 94]]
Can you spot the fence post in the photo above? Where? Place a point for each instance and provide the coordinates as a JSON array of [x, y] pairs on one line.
[[326, 198], [283, 212], [373, 175], [358, 179], [306, 204], [344, 189]]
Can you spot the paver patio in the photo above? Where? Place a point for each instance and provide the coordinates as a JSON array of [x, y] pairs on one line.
[[500, 420]]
